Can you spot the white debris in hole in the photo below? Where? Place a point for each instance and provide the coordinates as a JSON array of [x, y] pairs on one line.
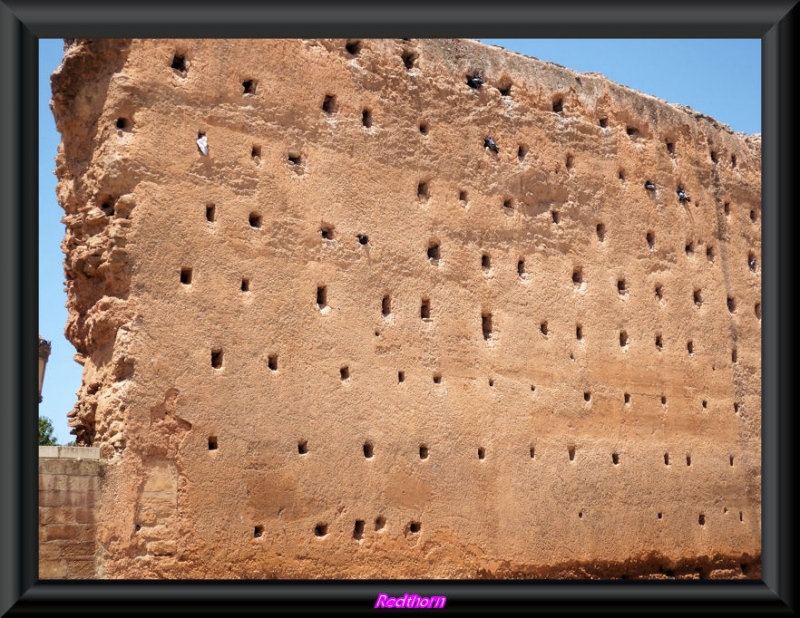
[[202, 144]]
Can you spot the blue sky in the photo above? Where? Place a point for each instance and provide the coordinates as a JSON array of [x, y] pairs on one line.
[[718, 77]]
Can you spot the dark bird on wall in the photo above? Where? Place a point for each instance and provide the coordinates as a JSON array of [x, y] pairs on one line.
[[649, 186], [475, 82], [362, 238], [752, 263], [489, 143], [682, 196]]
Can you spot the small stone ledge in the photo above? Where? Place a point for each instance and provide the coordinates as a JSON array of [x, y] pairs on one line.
[[69, 452]]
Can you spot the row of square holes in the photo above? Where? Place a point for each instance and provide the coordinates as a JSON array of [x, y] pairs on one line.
[[409, 58], [344, 375]]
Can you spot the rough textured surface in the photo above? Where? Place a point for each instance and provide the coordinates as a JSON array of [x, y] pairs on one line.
[[582, 399], [70, 481]]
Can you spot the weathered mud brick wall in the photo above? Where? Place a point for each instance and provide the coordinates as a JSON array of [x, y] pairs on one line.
[[352, 340], [70, 481]]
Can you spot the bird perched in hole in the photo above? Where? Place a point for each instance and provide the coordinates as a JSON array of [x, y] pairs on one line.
[[682, 196], [202, 144], [475, 82], [489, 143], [362, 238], [649, 186], [752, 263]]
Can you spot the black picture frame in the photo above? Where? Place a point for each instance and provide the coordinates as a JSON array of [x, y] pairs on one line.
[[23, 22]]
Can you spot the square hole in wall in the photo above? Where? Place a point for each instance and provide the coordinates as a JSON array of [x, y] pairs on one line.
[[423, 452], [212, 443], [186, 276], [344, 373], [433, 251], [249, 86], [401, 376], [179, 63], [358, 530], [258, 532], [437, 378], [322, 297], [255, 220], [245, 286], [329, 104], [211, 213], [369, 450], [216, 359], [272, 362], [302, 447], [366, 118], [425, 309]]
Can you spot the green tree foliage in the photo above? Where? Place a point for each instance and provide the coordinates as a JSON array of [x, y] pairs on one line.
[[46, 437]]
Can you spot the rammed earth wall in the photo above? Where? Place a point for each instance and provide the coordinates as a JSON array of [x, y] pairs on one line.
[[352, 340]]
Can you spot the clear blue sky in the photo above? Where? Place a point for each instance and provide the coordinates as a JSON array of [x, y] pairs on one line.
[[718, 77]]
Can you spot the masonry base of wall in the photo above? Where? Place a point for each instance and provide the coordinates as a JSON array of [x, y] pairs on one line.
[[69, 483]]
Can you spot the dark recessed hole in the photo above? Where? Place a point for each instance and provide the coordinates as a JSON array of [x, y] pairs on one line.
[[409, 58], [327, 232], [329, 105], [701, 520], [533, 388], [486, 325], [663, 400], [363, 239], [486, 262], [745, 568], [533, 453], [651, 239], [688, 460], [670, 147], [212, 443], [627, 398], [211, 212], [249, 86], [710, 253], [623, 339], [733, 160], [660, 515], [690, 347], [272, 362], [757, 310], [578, 332], [580, 515], [386, 306], [245, 285], [601, 232], [321, 530], [369, 451], [705, 404], [353, 47], [753, 216], [571, 451], [521, 268], [730, 460], [414, 527], [569, 161], [358, 530], [423, 452], [621, 174], [736, 408], [508, 204], [437, 378], [587, 396], [632, 131], [731, 304], [258, 532], [425, 309], [481, 453], [666, 459], [366, 118], [577, 276], [380, 522], [615, 458], [137, 527], [522, 152], [123, 124], [255, 152], [727, 208], [322, 296], [734, 355], [462, 196], [751, 261], [659, 342], [302, 447], [295, 158], [558, 105], [543, 327], [689, 248], [422, 191], [714, 156], [741, 517], [556, 216], [344, 373], [433, 251], [186, 276], [621, 287], [504, 89], [603, 122], [698, 297], [216, 359], [107, 207], [423, 128], [179, 63], [255, 220]]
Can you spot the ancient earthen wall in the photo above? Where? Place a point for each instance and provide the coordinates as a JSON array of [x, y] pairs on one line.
[[70, 481], [352, 340]]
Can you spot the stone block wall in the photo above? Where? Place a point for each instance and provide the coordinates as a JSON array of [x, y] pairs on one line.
[[69, 487], [328, 330]]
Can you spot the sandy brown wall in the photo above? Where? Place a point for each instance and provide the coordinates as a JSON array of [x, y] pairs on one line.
[[581, 396], [69, 488]]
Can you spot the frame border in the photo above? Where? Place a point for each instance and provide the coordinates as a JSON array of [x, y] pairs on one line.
[[775, 22]]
